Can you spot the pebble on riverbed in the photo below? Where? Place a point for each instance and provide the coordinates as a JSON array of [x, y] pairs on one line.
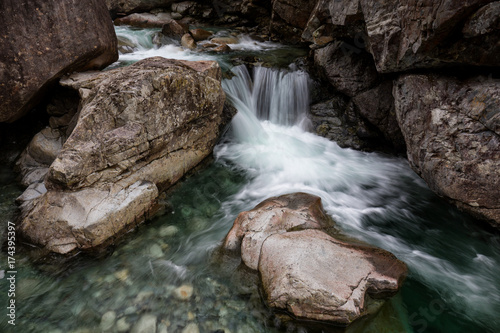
[[146, 324], [168, 231], [191, 328], [108, 321], [183, 292], [122, 325]]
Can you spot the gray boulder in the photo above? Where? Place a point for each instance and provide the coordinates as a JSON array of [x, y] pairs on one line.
[[348, 73], [377, 106], [452, 131], [42, 41]]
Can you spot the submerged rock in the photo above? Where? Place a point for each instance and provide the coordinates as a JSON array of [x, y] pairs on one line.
[[57, 37], [183, 292], [191, 328], [306, 271], [452, 131], [145, 324], [138, 131], [108, 321]]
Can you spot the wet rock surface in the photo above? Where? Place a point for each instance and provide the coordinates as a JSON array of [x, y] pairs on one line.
[[306, 271], [348, 74]]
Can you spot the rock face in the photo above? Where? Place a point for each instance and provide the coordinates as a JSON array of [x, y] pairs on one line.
[[139, 129], [363, 46], [289, 17], [303, 269], [452, 133], [420, 34], [377, 106], [51, 38], [348, 74]]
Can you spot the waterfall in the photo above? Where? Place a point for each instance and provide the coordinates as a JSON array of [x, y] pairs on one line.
[[278, 95]]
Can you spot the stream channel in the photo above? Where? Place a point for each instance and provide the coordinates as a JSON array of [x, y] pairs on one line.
[[454, 263]]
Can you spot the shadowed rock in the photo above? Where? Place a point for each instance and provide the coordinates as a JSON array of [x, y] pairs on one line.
[[417, 34], [452, 131], [42, 41]]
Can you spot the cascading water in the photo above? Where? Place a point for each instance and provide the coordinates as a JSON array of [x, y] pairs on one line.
[[453, 284], [271, 92], [375, 198]]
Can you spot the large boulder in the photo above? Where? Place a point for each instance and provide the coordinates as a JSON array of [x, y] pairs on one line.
[[43, 40], [175, 29], [306, 271], [139, 129], [418, 34], [452, 132]]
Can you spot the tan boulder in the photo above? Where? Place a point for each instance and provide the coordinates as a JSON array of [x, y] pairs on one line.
[[175, 29], [200, 34], [188, 41], [307, 267], [224, 40], [139, 130]]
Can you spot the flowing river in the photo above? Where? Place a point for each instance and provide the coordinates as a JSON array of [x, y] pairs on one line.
[[454, 264]]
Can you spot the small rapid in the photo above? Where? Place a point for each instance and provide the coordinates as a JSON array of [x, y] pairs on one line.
[[373, 197]]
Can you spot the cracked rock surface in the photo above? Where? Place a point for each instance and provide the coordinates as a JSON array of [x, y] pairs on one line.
[[452, 131], [137, 131], [306, 271]]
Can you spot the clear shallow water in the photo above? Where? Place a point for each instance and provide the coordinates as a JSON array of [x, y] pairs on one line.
[[454, 282]]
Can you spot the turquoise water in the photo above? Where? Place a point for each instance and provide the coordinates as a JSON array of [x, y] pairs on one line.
[[454, 263]]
